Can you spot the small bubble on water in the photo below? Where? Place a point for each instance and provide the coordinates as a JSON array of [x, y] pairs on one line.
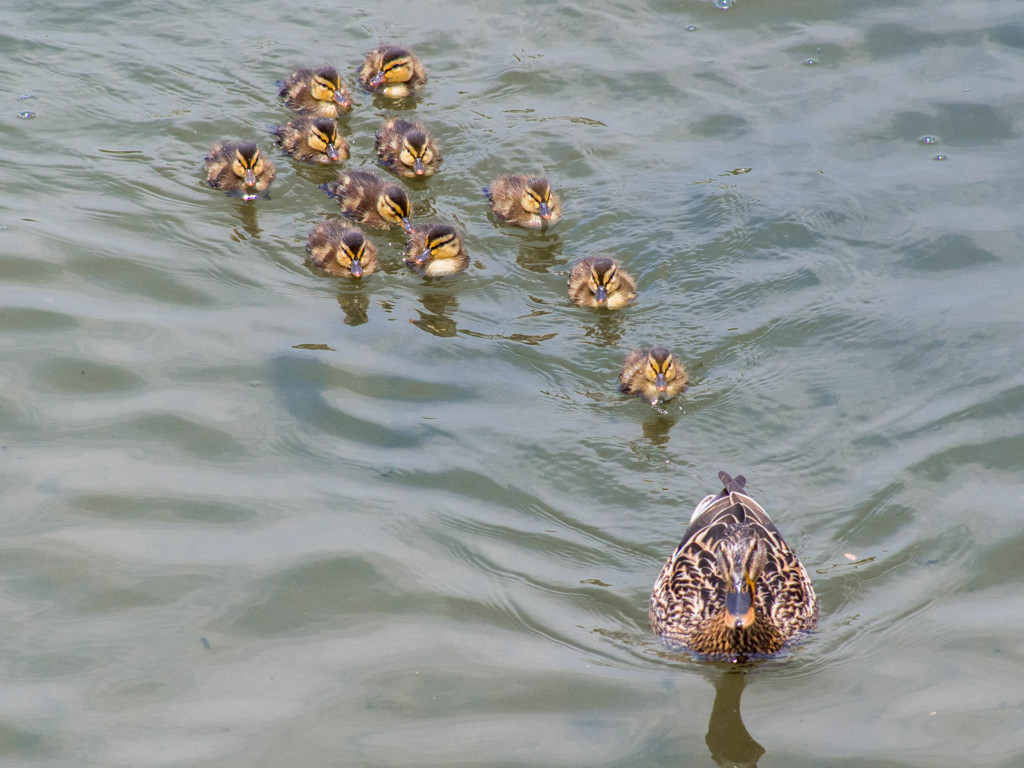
[[26, 115], [25, 97], [940, 157], [692, 28], [723, 4], [929, 139]]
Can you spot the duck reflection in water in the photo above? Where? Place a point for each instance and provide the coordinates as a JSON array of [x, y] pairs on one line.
[[728, 740], [540, 254], [657, 426], [354, 303], [249, 229], [605, 328], [435, 320]]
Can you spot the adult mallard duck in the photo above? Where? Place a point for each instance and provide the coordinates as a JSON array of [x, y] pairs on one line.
[[340, 249], [365, 197], [407, 148], [435, 250], [733, 588], [312, 140], [524, 201], [653, 374], [316, 92], [239, 168], [600, 281], [392, 71]]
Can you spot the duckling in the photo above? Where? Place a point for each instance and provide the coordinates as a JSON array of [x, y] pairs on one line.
[[312, 140], [653, 374], [407, 148], [524, 201], [733, 587], [392, 71], [340, 249], [238, 167], [599, 281], [435, 250], [365, 197], [316, 92]]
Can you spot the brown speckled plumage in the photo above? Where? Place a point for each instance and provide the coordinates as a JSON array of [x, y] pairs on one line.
[[392, 71], [731, 540], [407, 148], [653, 374], [312, 140], [435, 250], [600, 281], [367, 198], [340, 249], [239, 168], [316, 92], [524, 201]]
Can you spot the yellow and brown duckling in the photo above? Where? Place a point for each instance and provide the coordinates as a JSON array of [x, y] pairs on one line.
[[312, 140], [407, 148], [316, 92], [600, 281], [392, 71], [653, 374], [239, 168], [365, 197], [340, 249], [524, 201], [435, 250], [733, 588]]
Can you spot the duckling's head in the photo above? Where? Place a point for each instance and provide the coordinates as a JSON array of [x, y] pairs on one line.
[[326, 86], [247, 163], [351, 252], [604, 278], [416, 151], [396, 66], [443, 242], [661, 368], [537, 197], [741, 559], [323, 133], [393, 206]]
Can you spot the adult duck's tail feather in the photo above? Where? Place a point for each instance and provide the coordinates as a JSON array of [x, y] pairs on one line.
[[732, 484]]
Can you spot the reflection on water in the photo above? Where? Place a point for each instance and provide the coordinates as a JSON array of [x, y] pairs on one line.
[[354, 303], [542, 255], [728, 740], [436, 319], [606, 329], [245, 212], [659, 423]]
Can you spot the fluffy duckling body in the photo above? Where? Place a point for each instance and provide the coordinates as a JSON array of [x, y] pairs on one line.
[[600, 281], [407, 148], [239, 168], [365, 197], [312, 140], [524, 201], [653, 374], [316, 93], [392, 71], [733, 587], [435, 250], [340, 249]]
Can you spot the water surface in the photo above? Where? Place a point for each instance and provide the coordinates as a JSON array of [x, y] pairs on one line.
[[255, 515]]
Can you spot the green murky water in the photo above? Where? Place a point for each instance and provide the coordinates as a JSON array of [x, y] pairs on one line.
[[254, 516]]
